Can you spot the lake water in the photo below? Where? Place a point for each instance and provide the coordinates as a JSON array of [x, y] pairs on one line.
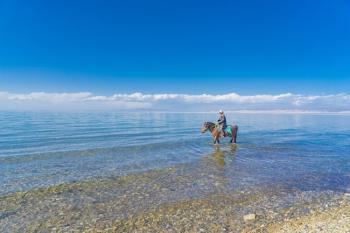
[[155, 172], [307, 152]]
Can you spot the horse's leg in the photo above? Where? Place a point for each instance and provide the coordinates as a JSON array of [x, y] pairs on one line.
[[234, 133], [216, 135], [214, 138], [217, 139]]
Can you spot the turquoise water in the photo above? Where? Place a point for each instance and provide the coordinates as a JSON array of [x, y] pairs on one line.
[[306, 152]]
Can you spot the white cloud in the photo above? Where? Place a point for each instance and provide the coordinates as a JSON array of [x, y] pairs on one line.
[[172, 102]]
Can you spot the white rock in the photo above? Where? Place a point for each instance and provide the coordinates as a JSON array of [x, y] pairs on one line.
[[249, 217]]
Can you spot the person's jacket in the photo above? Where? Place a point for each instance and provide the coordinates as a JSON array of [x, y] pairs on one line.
[[222, 121]]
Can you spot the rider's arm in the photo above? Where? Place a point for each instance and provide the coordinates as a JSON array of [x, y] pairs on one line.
[[221, 120]]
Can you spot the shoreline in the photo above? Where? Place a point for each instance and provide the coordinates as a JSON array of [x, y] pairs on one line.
[[155, 201]]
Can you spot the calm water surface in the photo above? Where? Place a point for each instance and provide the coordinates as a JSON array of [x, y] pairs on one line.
[[307, 152]]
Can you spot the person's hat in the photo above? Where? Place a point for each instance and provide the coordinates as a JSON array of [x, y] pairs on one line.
[[221, 112]]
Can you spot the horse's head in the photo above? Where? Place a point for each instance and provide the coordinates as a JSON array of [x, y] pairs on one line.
[[205, 127]]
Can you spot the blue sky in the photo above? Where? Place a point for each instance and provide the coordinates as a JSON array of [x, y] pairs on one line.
[[249, 47]]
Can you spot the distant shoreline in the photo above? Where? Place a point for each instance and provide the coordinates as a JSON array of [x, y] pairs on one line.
[[143, 111], [258, 112]]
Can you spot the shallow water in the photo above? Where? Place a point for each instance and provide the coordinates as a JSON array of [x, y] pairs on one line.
[[43, 149]]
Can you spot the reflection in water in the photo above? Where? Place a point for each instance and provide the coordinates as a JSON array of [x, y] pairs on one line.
[[216, 172], [221, 155]]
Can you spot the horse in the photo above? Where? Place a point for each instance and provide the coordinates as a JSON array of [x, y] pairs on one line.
[[230, 131]]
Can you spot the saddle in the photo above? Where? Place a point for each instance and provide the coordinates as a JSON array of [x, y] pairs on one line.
[[226, 132]]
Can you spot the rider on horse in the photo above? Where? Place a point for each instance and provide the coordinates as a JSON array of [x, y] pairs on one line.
[[222, 122], [220, 129]]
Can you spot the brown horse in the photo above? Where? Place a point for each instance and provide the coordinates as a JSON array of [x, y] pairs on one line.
[[231, 131]]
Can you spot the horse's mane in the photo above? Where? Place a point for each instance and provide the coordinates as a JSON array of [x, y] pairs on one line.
[[211, 124]]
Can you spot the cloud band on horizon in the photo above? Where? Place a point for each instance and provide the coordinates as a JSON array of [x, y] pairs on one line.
[[172, 102]]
